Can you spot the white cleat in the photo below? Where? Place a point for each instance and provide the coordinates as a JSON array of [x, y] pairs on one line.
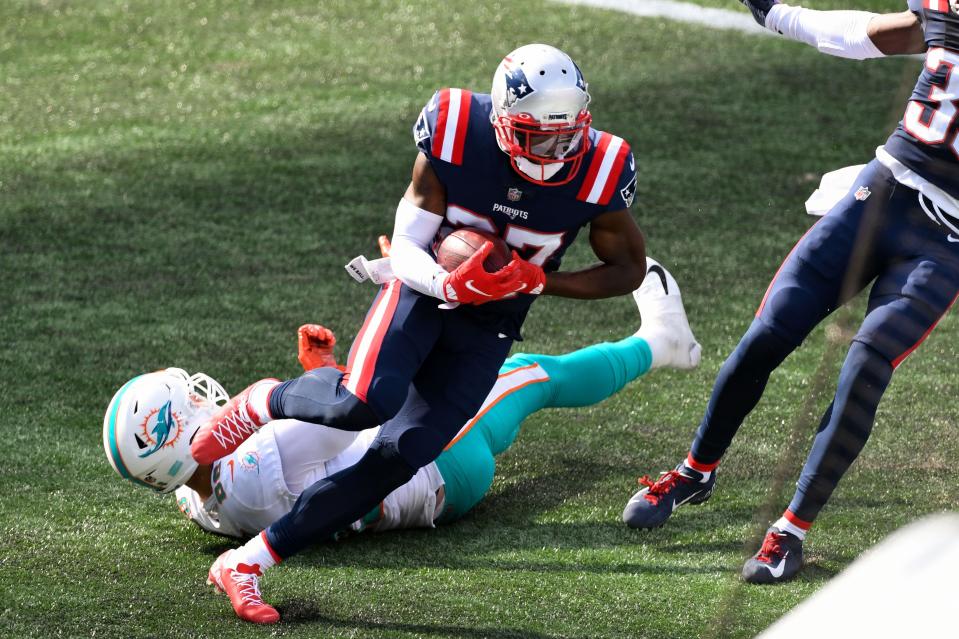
[[664, 324]]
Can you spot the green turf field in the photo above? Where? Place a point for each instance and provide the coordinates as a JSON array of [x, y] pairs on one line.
[[181, 183]]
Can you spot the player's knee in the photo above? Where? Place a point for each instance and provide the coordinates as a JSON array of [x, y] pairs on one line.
[[467, 468], [386, 396], [762, 347], [318, 397], [791, 312], [418, 446], [383, 464], [479, 472]]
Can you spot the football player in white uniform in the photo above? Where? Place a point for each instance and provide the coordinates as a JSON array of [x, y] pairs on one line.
[[151, 419]]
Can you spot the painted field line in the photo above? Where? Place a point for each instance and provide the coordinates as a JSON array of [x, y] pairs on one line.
[[741, 21]]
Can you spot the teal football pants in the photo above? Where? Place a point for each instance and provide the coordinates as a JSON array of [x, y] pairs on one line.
[[581, 378]]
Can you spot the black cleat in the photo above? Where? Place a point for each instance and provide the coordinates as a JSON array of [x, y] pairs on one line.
[[779, 559], [652, 506]]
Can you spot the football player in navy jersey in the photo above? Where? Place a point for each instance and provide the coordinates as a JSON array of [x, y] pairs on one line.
[[521, 162], [897, 227]]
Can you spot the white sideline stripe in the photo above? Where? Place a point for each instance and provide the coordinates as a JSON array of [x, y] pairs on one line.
[[603, 177], [724, 19], [452, 120]]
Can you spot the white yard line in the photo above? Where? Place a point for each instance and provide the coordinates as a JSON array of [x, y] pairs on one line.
[[682, 12]]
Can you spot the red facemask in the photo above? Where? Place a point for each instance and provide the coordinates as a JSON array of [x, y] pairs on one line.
[[544, 145]]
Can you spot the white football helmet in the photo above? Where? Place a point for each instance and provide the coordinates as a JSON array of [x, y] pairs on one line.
[[540, 112], [149, 424]]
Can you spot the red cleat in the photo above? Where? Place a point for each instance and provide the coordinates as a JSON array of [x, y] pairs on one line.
[[227, 429], [242, 586]]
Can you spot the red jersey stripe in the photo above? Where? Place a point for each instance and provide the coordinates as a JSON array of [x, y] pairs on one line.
[[613, 179], [594, 165], [440, 132], [462, 125]]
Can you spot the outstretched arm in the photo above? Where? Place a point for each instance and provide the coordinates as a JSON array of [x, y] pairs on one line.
[[621, 248], [856, 35]]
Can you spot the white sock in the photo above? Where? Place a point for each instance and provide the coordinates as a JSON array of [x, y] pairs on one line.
[[259, 400], [785, 525], [662, 343], [255, 553]]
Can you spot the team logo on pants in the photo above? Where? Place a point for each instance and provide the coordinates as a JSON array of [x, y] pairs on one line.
[[862, 193]]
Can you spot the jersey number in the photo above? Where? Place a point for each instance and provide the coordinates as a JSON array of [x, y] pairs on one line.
[[518, 237], [932, 127], [218, 491]]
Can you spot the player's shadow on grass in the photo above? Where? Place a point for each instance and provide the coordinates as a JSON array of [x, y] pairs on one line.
[[305, 612]]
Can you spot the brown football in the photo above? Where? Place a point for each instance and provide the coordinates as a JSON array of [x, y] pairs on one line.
[[458, 246]]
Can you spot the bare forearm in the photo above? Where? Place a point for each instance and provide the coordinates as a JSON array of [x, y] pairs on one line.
[[597, 281]]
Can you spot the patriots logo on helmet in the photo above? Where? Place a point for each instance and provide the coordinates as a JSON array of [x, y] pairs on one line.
[[580, 80], [517, 86]]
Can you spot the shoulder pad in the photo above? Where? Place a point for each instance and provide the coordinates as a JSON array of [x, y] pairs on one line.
[[440, 131], [610, 163]]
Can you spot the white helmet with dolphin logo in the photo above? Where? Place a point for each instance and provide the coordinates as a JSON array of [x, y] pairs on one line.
[[149, 424]]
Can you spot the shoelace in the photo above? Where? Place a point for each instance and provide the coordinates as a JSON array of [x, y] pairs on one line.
[[235, 426], [249, 587], [666, 482], [771, 549]]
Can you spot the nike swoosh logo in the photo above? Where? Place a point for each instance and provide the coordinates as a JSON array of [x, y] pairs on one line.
[[658, 270], [522, 286], [777, 572], [952, 238], [469, 285], [677, 504]]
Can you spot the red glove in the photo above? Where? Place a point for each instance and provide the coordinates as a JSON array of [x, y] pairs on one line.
[[315, 345], [529, 274], [470, 283], [384, 243]]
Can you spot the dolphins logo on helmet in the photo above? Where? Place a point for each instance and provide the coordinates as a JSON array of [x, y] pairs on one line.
[[166, 423], [150, 421]]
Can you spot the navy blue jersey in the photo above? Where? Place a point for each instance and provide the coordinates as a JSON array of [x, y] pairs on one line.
[[483, 190], [927, 139]]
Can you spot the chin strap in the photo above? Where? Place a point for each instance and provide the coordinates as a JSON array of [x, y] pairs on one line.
[[537, 171]]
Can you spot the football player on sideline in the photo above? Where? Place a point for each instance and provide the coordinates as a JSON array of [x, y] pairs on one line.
[[898, 227], [245, 491], [521, 162]]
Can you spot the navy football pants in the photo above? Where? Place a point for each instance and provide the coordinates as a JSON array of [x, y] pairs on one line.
[[420, 371], [886, 239]]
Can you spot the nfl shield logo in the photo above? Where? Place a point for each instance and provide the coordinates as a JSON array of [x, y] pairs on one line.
[[862, 193], [514, 194]]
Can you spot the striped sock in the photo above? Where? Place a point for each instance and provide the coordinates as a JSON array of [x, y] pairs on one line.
[[706, 470], [793, 525]]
